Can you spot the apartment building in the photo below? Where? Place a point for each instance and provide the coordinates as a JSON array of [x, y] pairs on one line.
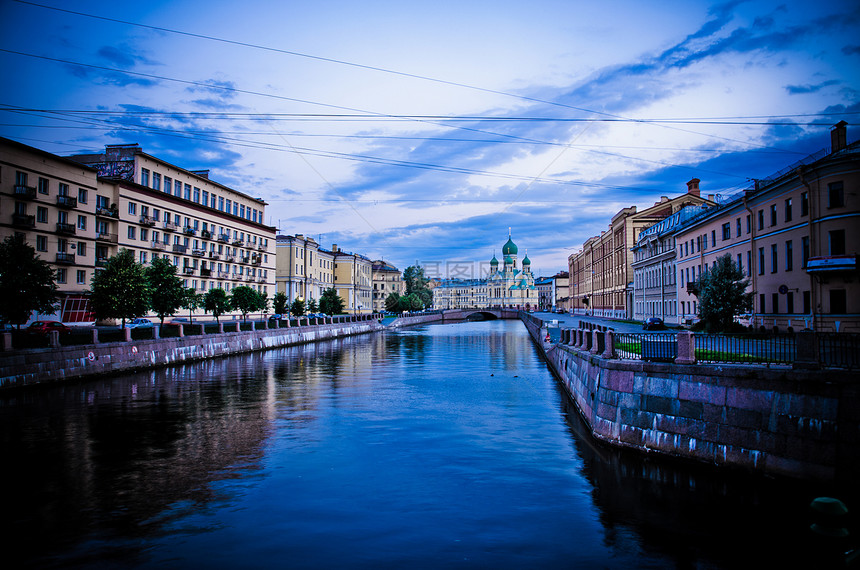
[[601, 273], [387, 279], [460, 294], [796, 235], [353, 276], [655, 287], [51, 201], [213, 234], [304, 269]]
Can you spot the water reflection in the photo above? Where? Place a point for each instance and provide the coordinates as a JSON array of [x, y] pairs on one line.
[[445, 445]]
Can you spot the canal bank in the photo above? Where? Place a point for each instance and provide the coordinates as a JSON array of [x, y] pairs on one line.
[[799, 423]]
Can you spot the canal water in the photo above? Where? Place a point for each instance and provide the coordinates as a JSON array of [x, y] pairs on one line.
[[442, 446]]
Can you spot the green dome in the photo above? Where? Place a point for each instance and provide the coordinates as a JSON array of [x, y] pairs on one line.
[[494, 261], [508, 259], [510, 248], [526, 260]]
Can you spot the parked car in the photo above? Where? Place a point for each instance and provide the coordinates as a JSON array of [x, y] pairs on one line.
[[178, 321], [44, 327], [276, 317], [139, 324], [653, 324]]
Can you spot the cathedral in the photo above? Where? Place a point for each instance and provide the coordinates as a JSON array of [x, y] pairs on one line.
[[505, 285]]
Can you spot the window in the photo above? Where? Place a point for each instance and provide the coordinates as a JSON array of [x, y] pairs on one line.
[[229, 204], [42, 214], [804, 251], [221, 203], [749, 224], [63, 189], [205, 199], [773, 214], [144, 177], [740, 263], [82, 195], [804, 204], [749, 262], [835, 198], [131, 232], [761, 219], [156, 214], [197, 194], [705, 241], [41, 243], [789, 302], [156, 181], [773, 259], [789, 257], [144, 234], [82, 248], [168, 184], [807, 303], [143, 257], [132, 209], [61, 275], [177, 188], [837, 242], [81, 277], [82, 222], [727, 231], [774, 299], [188, 191], [714, 237], [761, 261], [837, 301], [788, 209]]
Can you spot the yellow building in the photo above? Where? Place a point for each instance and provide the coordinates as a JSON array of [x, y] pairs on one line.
[[353, 275], [304, 269], [386, 280]]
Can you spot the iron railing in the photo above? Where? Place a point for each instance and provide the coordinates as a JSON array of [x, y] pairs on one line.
[[839, 350]]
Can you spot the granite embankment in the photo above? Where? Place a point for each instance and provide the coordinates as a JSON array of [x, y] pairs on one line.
[[782, 421]]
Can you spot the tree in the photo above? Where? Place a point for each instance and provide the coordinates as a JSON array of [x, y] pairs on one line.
[[411, 302], [312, 306], [120, 290], [416, 284], [330, 302], [280, 303], [191, 300], [26, 282], [246, 300], [215, 301], [297, 309], [166, 288], [392, 303], [722, 295]]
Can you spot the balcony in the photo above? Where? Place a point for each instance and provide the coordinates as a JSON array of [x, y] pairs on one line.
[[257, 259], [160, 246], [189, 231], [831, 263], [239, 242], [223, 275], [66, 258], [237, 276], [261, 247], [179, 248], [24, 192], [204, 272], [206, 234], [67, 229], [23, 221], [107, 213], [198, 252], [261, 279], [104, 236], [249, 278], [147, 220], [101, 261], [67, 202], [188, 270], [229, 258], [213, 255], [169, 226], [224, 238], [244, 259]]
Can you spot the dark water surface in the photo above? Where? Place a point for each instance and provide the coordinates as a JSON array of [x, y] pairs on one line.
[[435, 447]]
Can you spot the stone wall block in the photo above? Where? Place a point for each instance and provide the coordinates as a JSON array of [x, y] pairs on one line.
[[619, 380], [749, 399], [665, 387], [660, 405], [744, 418], [702, 392]]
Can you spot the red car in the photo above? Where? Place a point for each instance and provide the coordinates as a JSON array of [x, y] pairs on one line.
[[44, 327]]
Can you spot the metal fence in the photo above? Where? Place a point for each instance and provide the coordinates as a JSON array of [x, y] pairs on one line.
[[746, 349], [839, 350], [658, 347]]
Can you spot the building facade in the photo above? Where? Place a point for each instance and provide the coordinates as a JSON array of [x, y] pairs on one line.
[[387, 279], [796, 235], [303, 269], [353, 280], [124, 198], [601, 273]]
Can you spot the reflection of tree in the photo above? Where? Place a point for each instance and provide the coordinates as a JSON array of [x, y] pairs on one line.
[[694, 513], [106, 457]]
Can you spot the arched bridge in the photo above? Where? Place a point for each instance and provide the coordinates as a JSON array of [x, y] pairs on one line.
[[485, 313]]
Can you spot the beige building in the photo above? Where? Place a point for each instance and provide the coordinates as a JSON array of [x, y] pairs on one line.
[[353, 275], [387, 279], [601, 274], [304, 269], [797, 236], [124, 198]]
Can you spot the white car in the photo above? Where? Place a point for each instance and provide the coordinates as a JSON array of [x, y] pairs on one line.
[[139, 324]]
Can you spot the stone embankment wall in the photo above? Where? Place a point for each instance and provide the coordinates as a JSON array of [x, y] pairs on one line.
[[414, 320], [37, 366], [798, 423]]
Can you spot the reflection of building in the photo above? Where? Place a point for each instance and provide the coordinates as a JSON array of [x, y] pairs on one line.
[[601, 272], [79, 211], [386, 280], [796, 235], [505, 286]]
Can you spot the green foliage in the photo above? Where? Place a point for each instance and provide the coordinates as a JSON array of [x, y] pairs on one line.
[[297, 309], [26, 282], [217, 302], [312, 306], [392, 303], [280, 303], [416, 284], [411, 302], [247, 300], [120, 290], [165, 287], [330, 302], [722, 295], [191, 300]]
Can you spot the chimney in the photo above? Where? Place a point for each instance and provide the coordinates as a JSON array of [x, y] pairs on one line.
[[693, 187], [838, 136], [710, 197], [334, 247], [201, 173]]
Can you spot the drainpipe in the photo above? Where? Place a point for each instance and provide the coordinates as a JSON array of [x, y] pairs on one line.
[[801, 172]]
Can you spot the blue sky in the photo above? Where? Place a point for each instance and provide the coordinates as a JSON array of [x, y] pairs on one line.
[[422, 131]]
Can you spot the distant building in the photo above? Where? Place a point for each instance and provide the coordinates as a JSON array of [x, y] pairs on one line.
[[601, 274], [304, 269], [353, 274], [387, 279]]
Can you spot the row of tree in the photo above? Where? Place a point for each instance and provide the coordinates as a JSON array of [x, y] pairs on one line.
[[417, 296]]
